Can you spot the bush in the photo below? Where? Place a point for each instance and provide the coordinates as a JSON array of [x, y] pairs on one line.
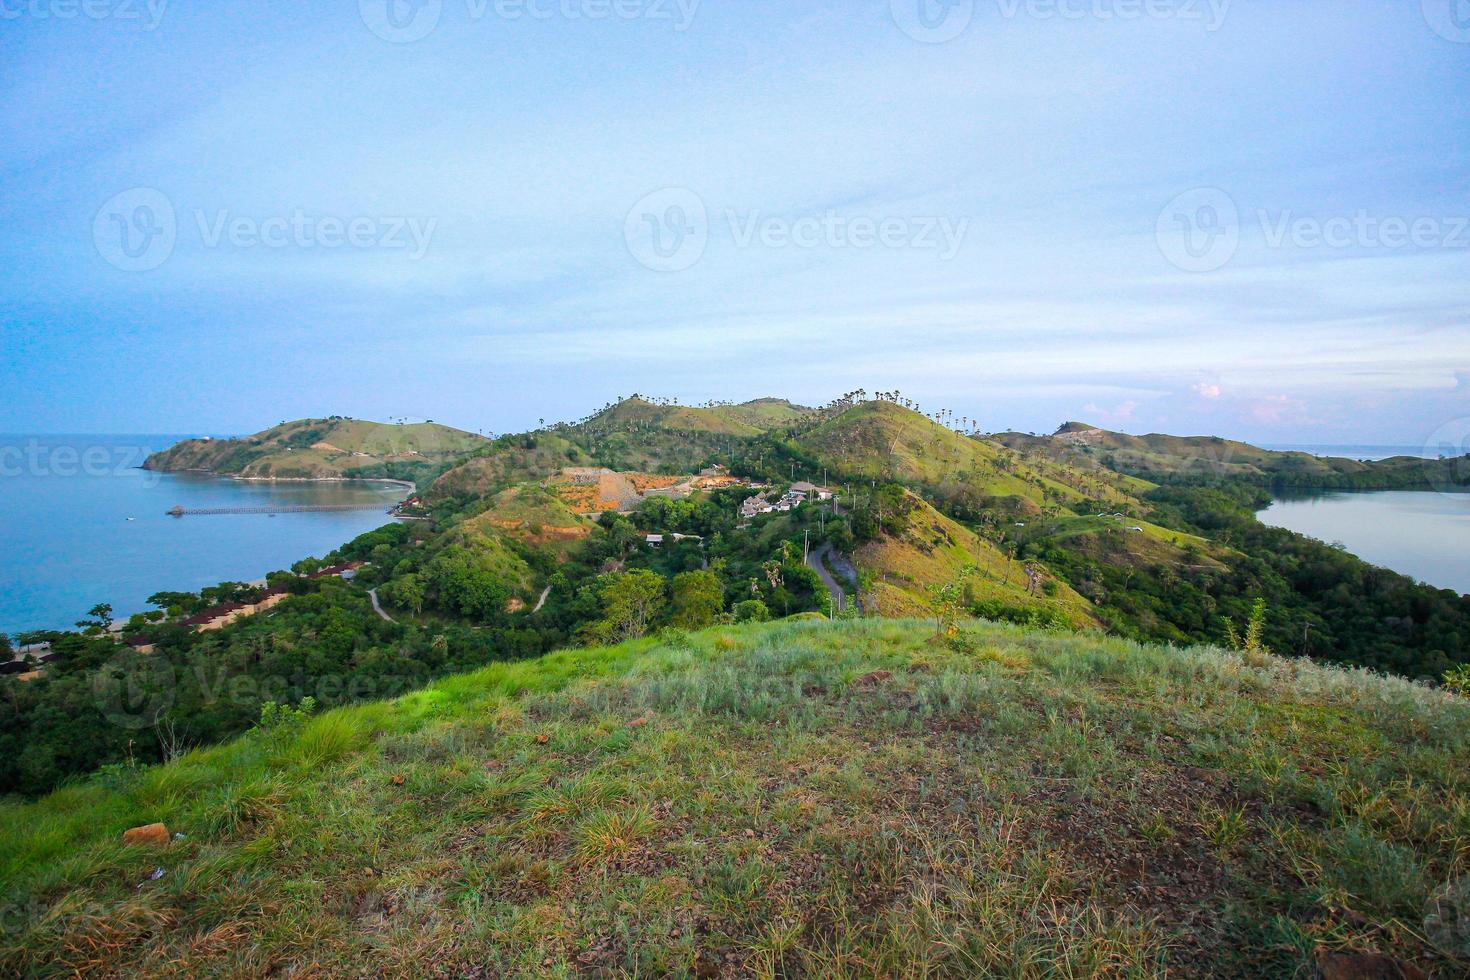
[[751, 611]]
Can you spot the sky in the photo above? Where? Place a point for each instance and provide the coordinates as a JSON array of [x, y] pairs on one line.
[[1193, 216]]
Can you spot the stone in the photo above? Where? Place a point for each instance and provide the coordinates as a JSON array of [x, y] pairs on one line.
[[151, 835]]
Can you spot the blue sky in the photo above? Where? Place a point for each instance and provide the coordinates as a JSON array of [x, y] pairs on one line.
[[1242, 218]]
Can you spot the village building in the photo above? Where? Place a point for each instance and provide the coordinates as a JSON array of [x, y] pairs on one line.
[[810, 491]]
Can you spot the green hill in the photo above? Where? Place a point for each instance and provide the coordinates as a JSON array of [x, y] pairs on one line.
[[510, 460], [796, 799], [904, 566], [317, 449], [884, 441], [635, 434]]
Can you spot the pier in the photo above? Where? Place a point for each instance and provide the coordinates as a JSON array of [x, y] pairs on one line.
[[301, 509]]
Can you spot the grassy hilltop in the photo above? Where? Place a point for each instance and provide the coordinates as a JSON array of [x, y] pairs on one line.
[[803, 798], [317, 449]]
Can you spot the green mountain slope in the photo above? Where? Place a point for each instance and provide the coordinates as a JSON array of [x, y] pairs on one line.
[[884, 441], [905, 566], [330, 448], [510, 460], [798, 799]]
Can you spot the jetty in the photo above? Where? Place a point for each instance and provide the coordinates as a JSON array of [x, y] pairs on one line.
[[178, 511]]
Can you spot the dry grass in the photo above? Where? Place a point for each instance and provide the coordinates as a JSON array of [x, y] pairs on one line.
[[756, 801]]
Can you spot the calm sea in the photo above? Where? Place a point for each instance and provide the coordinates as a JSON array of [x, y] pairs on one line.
[[66, 541], [1422, 534]]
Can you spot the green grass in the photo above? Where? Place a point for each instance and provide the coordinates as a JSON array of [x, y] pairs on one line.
[[752, 801]]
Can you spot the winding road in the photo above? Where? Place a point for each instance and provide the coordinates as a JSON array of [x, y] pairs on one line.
[[373, 595], [816, 561]]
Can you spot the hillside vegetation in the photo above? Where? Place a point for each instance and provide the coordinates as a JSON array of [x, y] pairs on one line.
[[331, 448], [905, 566], [884, 441], [795, 799]]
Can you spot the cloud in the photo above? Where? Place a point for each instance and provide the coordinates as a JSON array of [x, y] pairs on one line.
[[1278, 408], [1206, 390], [1122, 412]]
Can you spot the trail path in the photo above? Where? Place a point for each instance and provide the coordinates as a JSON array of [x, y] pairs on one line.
[[373, 595]]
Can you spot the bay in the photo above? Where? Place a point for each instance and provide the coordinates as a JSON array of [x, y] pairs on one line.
[[81, 523], [1422, 534]]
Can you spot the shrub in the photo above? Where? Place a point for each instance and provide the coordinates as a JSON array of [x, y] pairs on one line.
[[751, 611]]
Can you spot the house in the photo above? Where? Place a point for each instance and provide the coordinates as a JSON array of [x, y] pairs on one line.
[[751, 506], [142, 644], [811, 491], [346, 570], [657, 540], [216, 617], [269, 598], [715, 470]]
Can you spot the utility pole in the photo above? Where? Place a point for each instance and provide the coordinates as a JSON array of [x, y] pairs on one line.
[[806, 544]]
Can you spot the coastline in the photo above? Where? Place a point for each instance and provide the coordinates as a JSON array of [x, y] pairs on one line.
[[405, 484], [123, 562]]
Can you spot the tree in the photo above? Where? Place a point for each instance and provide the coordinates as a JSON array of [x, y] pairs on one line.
[[467, 583], [6, 650], [751, 611], [949, 603], [101, 619], [406, 591], [698, 599], [630, 601]]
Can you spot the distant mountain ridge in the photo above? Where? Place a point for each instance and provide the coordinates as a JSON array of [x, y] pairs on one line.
[[1164, 458]]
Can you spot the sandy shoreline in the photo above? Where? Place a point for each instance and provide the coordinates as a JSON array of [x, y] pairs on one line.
[[405, 484]]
